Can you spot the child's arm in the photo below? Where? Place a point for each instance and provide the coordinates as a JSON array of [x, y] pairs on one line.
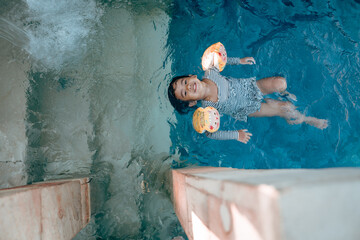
[[237, 61], [240, 135]]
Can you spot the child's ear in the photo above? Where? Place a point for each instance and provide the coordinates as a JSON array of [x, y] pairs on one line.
[[192, 103]]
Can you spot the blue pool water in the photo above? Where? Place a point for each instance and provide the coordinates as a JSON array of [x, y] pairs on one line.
[[313, 44]]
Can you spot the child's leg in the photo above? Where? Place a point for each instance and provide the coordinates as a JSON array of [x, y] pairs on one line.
[[271, 85], [275, 108], [315, 122], [286, 110], [274, 84]]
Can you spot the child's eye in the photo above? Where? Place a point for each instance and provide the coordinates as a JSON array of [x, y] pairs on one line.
[[185, 81], [185, 93]]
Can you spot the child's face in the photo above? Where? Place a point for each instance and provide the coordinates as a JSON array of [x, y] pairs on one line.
[[188, 89]]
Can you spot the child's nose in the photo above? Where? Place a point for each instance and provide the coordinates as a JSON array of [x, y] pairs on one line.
[[188, 87]]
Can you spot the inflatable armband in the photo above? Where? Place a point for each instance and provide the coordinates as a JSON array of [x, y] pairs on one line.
[[214, 56], [206, 119]]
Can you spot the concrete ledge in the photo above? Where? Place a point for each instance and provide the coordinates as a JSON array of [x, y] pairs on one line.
[[296, 204], [48, 210]]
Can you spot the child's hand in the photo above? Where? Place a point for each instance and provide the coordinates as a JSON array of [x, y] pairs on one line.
[[247, 60], [244, 136]]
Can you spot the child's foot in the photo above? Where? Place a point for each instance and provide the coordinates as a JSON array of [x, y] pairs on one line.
[[289, 96], [318, 123], [315, 122]]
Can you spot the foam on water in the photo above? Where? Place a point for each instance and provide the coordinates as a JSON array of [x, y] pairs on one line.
[[59, 31]]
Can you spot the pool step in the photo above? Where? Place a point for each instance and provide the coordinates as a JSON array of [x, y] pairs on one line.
[[297, 204], [46, 210]]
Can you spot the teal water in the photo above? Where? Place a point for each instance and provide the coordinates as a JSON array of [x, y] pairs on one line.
[[313, 44]]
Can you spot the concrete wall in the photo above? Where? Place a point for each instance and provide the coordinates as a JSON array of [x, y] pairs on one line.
[[225, 203], [48, 210], [13, 140]]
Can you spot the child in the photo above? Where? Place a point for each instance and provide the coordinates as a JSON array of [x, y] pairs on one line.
[[238, 98]]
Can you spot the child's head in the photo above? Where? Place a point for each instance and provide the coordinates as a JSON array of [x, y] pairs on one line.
[[181, 106]]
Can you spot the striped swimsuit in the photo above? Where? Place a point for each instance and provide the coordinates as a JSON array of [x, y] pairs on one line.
[[237, 97]]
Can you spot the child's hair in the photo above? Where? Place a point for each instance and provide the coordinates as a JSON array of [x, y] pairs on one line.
[[181, 106]]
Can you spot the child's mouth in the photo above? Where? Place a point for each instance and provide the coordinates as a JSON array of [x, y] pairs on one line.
[[195, 87]]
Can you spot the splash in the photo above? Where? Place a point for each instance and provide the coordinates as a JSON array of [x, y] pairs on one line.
[[59, 31], [12, 33]]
